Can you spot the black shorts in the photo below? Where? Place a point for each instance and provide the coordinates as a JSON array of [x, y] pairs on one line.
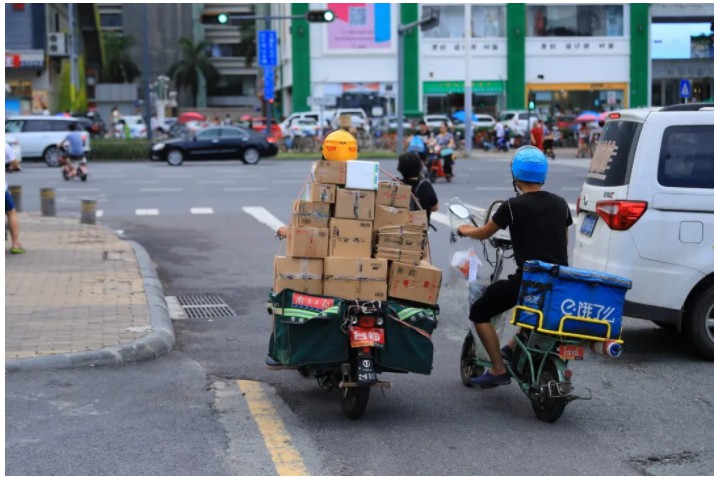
[[496, 299]]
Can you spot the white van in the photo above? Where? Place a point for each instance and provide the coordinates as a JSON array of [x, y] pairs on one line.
[[646, 212], [295, 119], [358, 116]]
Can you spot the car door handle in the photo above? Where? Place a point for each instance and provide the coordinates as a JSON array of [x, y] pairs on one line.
[[214, 141]]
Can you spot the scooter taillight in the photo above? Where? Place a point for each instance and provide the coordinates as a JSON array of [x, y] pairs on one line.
[[366, 321]]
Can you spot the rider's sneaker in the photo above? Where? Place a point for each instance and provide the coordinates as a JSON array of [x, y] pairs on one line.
[[273, 364], [487, 380]]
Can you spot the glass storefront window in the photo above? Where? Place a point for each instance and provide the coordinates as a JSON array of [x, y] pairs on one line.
[[487, 21], [575, 20]]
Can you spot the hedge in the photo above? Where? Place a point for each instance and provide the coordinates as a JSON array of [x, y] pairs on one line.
[[120, 149]]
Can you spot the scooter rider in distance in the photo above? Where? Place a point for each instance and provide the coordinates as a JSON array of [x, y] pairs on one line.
[[538, 223], [76, 148]]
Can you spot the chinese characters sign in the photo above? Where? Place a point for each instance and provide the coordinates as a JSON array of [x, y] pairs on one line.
[[359, 26]]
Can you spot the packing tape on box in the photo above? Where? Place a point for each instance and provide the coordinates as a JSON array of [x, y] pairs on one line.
[[358, 279], [303, 275]]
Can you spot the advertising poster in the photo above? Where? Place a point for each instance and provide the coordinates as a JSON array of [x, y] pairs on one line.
[[360, 26]]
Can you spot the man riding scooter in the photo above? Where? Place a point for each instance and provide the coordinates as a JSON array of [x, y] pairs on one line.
[[75, 151]]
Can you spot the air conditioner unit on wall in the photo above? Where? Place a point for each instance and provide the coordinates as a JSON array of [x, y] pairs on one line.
[[57, 44]]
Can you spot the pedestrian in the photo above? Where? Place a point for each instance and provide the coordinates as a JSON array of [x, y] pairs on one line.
[[228, 121], [583, 136], [538, 222], [410, 167], [216, 121], [13, 222], [11, 162], [445, 141], [537, 134], [116, 116]]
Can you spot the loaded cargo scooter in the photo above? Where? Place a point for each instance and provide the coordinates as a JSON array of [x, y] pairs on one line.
[[342, 342]]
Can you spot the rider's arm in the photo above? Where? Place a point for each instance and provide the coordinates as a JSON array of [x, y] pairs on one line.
[[483, 232]]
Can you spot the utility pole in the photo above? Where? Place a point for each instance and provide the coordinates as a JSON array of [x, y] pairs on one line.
[[468, 96], [73, 60], [426, 23], [147, 75]]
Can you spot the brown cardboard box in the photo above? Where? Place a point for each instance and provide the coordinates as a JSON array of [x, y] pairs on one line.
[[356, 278], [317, 192], [354, 204], [394, 194], [310, 242], [330, 172], [350, 238], [418, 218], [401, 244], [302, 275], [311, 214], [389, 216], [416, 283]]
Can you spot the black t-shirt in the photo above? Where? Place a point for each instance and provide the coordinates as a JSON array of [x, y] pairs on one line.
[[425, 193], [537, 222]]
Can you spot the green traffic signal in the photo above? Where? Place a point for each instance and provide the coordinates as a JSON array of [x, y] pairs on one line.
[[531, 105], [320, 16], [215, 19], [222, 18]]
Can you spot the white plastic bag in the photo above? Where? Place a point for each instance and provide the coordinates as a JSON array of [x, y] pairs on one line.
[[466, 264]]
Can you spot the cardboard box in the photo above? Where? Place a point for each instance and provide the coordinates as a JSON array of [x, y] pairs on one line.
[[311, 214], [362, 175], [302, 275], [401, 244], [356, 278], [394, 194], [418, 218], [389, 216], [330, 172], [416, 283], [354, 204], [350, 238], [309, 242], [317, 192]]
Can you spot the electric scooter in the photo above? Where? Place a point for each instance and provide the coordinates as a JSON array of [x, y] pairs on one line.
[[71, 170]]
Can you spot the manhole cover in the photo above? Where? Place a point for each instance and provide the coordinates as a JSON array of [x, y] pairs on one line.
[[204, 306]]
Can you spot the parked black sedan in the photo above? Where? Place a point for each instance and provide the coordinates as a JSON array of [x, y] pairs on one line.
[[216, 142]]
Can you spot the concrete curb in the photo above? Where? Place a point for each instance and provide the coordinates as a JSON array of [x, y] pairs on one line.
[[158, 342]]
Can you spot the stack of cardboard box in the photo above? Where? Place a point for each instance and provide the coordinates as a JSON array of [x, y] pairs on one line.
[[354, 237]]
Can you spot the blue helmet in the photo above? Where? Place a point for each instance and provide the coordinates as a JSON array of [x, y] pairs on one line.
[[530, 165]]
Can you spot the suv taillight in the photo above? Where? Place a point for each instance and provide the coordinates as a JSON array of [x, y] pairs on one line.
[[620, 215]]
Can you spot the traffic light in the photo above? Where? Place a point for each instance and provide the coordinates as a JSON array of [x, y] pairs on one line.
[[531, 101], [215, 19], [320, 16]]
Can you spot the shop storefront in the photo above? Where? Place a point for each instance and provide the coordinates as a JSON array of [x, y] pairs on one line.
[[25, 82], [447, 97]]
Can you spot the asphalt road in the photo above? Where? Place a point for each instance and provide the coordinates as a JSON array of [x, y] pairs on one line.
[[652, 410]]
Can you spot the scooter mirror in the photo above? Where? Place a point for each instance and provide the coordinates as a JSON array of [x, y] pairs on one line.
[[459, 211]]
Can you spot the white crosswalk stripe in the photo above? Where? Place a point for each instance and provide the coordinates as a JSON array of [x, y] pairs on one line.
[[147, 212], [201, 210], [265, 217], [100, 212]]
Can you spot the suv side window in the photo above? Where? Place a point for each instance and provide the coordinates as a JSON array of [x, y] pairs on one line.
[[686, 158], [62, 126], [37, 126], [612, 160], [14, 126]]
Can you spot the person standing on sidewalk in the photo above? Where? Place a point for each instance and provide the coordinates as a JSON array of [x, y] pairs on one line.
[[537, 134], [13, 222]]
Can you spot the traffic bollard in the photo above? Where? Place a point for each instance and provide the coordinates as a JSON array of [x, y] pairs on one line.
[[89, 211], [47, 196], [16, 193]]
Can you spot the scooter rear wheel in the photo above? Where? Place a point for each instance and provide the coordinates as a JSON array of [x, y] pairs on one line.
[[546, 408], [469, 367], [354, 401]]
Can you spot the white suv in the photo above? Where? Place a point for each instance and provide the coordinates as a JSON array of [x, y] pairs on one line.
[[646, 212], [39, 135], [518, 121]]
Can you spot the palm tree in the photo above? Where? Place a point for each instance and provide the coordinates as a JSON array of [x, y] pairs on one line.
[[118, 66], [186, 72]]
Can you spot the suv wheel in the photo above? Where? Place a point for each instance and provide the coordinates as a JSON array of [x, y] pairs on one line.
[[699, 326], [174, 157], [51, 156], [251, 156]]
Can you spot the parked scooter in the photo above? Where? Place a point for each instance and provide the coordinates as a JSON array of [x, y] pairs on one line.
[[539, 363], [71, 170]]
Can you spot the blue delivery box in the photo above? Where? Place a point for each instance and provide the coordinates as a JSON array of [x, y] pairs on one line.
[[571, 302]]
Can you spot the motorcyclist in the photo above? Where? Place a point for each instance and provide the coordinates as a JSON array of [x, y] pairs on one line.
[[538, 223], [75, 146], [420, 141]]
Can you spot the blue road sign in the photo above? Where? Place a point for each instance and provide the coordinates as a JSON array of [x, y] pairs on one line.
[[267, 48], [268, 83], [685, 89]]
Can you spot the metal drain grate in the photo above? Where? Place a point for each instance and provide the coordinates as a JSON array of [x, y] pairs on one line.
[[204, 306]]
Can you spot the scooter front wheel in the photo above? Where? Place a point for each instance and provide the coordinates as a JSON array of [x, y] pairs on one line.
[[469, 367]]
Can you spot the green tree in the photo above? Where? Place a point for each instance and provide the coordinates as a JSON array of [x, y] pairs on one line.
[[185, 72], [247, 46], [118, 66]]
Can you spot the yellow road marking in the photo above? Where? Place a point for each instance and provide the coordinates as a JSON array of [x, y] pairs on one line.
[[286, 458]]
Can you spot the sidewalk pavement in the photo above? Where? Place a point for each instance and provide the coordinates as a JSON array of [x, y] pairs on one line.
[[81, 296]]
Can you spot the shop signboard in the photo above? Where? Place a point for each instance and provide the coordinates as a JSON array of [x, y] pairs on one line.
[[447, 87]]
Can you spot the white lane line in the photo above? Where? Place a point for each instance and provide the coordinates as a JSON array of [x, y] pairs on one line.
[[139, 182], [160, 190], [174, 176], [264, 216], [100, 212], [440, 218], [243, 189], [77, 190], [217, 182], [147, 212], [201, 210]]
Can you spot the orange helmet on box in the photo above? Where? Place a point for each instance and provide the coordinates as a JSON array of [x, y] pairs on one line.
[[339, 145]]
